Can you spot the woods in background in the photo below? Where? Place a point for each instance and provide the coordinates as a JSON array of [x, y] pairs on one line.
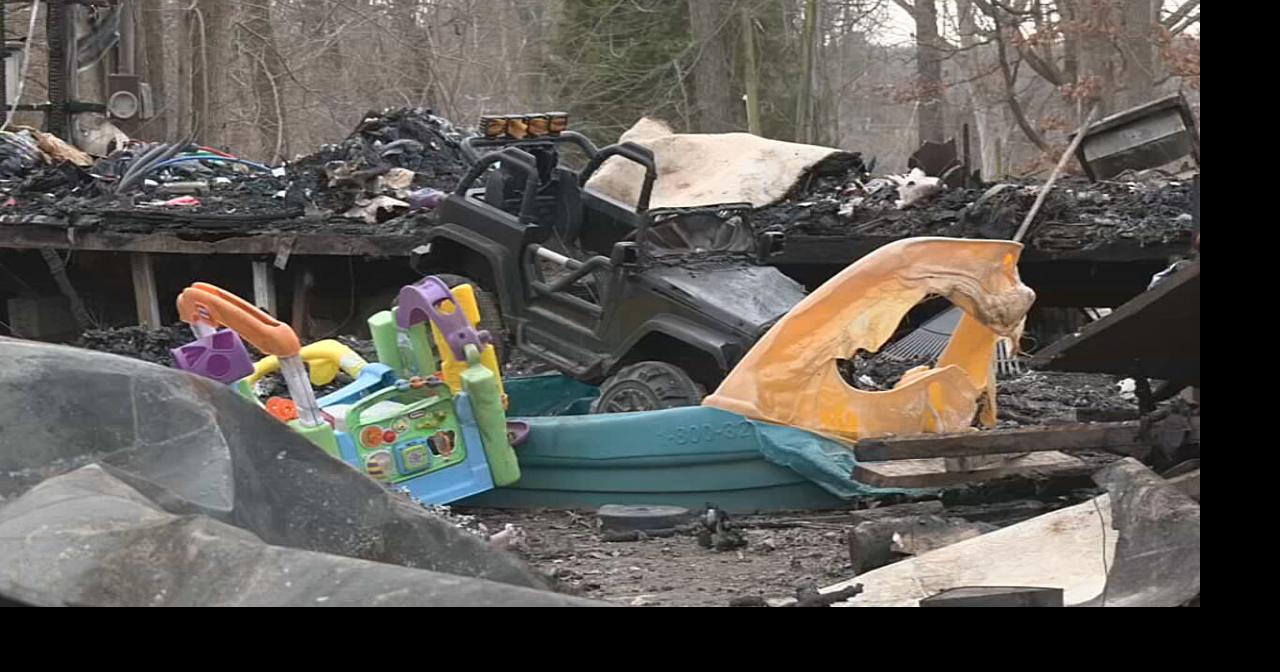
[[274, 78]]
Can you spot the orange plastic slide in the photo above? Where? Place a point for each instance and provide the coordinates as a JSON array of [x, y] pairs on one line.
[[790, 376]]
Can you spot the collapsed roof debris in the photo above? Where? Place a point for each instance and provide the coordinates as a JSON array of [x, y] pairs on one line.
[[375, 155], [393, 161], [1077, 214], [396, 163]]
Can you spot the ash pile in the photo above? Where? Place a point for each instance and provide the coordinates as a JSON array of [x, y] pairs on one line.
[[1078, 214]]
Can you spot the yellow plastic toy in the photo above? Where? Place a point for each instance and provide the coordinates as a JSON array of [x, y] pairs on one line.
[[323, 358], [450, 368], [790, 376]]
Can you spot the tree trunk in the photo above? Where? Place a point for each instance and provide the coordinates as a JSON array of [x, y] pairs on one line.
[[268, 81], [717, 111], [1138, 45], [929, 71], [986, 110], [151, 16], [804, 111], [184, 109], [211, 89], [1097, 62]]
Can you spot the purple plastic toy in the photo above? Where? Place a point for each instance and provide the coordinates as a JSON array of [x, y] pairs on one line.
[[517, 432], [220, 356], [421, 302], [428, 199]]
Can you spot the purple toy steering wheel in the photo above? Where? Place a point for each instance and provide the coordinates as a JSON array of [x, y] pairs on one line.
[[422, 301]]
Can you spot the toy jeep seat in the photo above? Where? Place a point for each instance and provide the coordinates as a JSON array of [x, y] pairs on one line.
[[558, 201]]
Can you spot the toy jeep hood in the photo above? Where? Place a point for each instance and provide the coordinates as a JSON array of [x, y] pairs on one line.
[[745, 297]]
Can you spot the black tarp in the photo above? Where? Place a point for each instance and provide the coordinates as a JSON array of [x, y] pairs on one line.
[[127, 483]]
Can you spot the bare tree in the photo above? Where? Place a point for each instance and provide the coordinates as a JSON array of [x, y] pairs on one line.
[[929, 52], [211, 104], [710, 22], [978, 73], [270, 77], [259, 44], [151, 14], [804, 101]]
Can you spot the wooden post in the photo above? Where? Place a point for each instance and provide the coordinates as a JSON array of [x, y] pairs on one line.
[[301, 288], [264, 287], [59, 271], [144, 290]]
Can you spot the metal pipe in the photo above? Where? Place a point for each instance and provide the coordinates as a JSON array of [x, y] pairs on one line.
[[1053, 177], [555, 257], [304, 398]]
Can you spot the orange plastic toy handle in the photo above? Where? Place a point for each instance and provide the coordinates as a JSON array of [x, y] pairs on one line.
[[202, 302]]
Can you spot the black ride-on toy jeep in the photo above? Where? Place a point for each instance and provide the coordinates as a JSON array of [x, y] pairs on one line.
[[654, 305]]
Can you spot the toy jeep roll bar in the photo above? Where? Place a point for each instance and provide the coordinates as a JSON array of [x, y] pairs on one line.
[[472, 146]]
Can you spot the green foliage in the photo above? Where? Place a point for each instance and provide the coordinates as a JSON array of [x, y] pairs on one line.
[[613, 62]]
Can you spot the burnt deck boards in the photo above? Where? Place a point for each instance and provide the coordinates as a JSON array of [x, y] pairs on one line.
[[250, 244], [169, 242], [938, 472], [932, 461]]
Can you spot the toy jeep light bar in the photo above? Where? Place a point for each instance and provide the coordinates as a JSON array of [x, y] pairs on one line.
[[523, 126]]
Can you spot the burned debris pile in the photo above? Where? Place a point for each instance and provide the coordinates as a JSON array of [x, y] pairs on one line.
[[1048, 397], [878, 372], [148, 345], [393, 162], [1077, 215], [401, 161], [398, 153]]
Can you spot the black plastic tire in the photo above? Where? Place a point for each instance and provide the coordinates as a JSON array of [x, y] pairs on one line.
[[490, 313], [647, 386]]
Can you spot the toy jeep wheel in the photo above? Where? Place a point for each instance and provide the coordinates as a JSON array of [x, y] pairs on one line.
[[490, 314], [647, 386]]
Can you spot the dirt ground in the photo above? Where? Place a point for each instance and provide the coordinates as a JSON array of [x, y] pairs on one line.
[[676, 571], [784, 551]]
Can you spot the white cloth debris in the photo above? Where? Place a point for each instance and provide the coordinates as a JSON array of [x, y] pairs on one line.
[[915, 187]]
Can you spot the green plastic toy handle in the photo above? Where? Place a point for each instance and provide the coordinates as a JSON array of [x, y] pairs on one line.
[[481, 386]]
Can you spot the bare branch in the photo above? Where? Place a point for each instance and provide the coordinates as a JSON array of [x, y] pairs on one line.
[[1186, 8], [1010, 97], [1190, 21]]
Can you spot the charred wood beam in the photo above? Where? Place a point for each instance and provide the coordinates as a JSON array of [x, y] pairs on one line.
[[58, 268], [1125, 438]]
